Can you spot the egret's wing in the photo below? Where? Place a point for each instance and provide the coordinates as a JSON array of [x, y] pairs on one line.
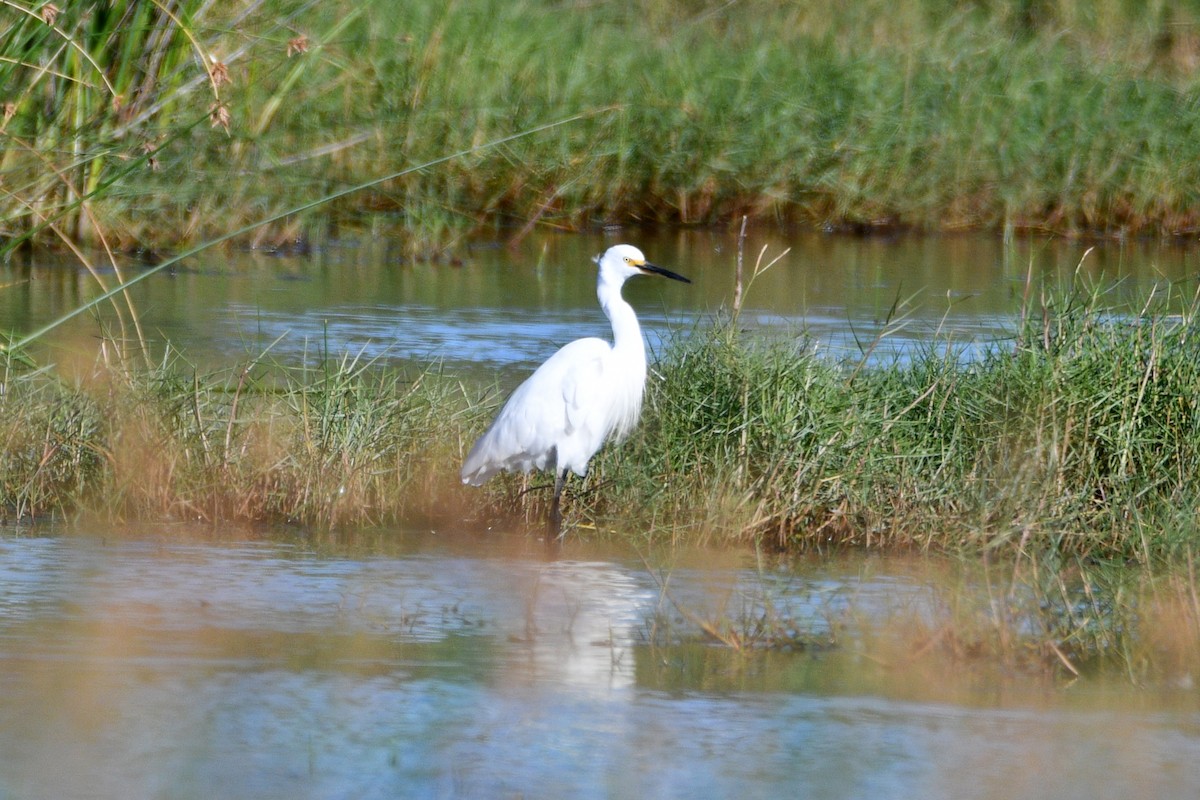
[[583, 387], [548, 406]]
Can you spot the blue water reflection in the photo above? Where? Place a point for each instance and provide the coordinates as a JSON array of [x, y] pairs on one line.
[[162, 665], [509, 308], [480, 336]]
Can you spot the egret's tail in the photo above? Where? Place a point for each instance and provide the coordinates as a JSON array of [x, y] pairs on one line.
[[475, 472]]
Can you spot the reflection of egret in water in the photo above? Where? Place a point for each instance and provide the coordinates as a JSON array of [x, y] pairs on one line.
[[580, 623]]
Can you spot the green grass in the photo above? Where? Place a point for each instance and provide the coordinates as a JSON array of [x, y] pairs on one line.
[[89, 92], [1040, 115], [327, 445], [1079, 437]]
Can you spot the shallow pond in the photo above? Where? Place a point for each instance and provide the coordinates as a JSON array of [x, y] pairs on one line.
[[175, 664], [510, 307]]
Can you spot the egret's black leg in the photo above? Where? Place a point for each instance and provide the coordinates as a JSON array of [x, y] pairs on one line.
[[560, 478]]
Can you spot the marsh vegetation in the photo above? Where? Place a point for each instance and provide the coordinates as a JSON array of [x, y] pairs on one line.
[[1078, 435], [1073, 447], [1066, 456], [150, 124]]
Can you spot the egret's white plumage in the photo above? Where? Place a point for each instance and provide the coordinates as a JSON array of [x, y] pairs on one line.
[[587, 391]]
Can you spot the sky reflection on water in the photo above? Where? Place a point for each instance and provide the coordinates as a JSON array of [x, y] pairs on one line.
[[507, 309], [168, 666]]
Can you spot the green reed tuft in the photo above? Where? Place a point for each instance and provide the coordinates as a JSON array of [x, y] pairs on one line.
[[1081, 436], [89, 88], [51, 445], [338, 444]]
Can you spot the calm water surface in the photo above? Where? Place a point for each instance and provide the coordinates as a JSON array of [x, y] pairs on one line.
[[168, 665], [506, 307]]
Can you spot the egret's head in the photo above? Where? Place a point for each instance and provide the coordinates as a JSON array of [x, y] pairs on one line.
[[624, 261]]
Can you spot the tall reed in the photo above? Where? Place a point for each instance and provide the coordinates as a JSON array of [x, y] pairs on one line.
[[90, 87]]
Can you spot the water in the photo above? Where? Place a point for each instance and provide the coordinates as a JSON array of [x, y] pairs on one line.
[[182, 664], [509, 308]]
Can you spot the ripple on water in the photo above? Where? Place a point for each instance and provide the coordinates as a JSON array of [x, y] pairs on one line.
[[485, 667]]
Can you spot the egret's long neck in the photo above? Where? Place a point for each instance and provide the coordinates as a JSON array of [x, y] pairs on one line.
[[627, 334]]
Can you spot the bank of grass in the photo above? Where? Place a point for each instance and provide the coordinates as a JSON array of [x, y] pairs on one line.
[[339, 444], [1080, 436], [1043, 115]]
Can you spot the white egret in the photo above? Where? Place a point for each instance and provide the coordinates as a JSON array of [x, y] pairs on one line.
[[590, 389]]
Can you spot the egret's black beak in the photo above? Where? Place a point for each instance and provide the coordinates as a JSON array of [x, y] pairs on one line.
[[653, 269]]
